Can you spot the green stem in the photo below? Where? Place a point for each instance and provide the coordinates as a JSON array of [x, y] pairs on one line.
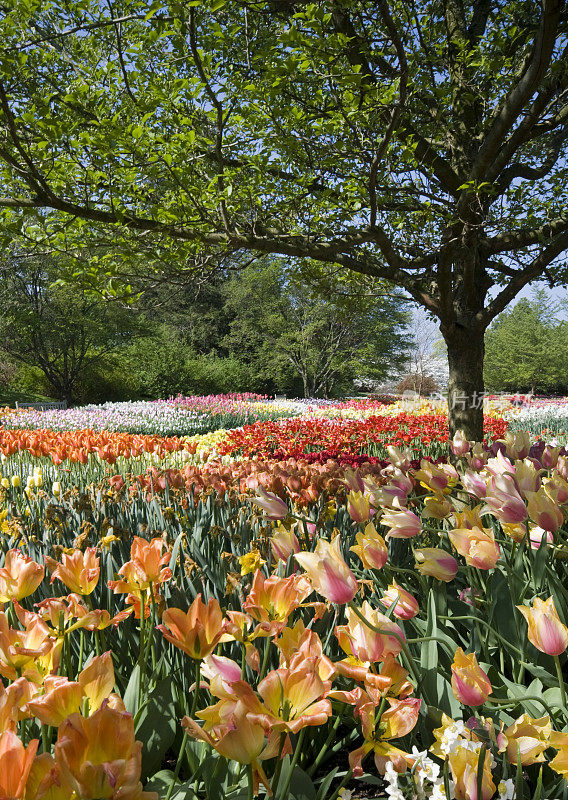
[[196, 690], [561, 685], [178, 766], [264, 659], [284, 794], [343, 783], [250, 781], [45, 738], [324, 747], [81, 648]]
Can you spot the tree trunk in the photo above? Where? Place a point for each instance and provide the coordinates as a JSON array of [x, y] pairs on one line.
[[466, 348]]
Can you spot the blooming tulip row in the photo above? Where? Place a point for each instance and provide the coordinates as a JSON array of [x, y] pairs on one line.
[[287, 628]]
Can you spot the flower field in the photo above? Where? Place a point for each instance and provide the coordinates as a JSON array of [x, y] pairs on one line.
[[316, 607]]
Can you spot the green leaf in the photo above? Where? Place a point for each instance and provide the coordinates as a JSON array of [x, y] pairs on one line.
[[130, 698], [157, 725]]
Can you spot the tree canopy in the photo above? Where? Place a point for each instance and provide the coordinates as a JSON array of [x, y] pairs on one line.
[[526, 348], [422, 144]]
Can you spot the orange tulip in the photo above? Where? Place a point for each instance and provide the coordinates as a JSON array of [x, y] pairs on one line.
[[197, 632], [60, 699], [99, 757], [295, 697], [147, 566], [398, 720], [274, 599], [15, 764], [30, 653], [371, 548], [328, 572], [546, 632], [78, 571], [97, 680], [45, 781], [470, 684], [19, 577], [478, 545]]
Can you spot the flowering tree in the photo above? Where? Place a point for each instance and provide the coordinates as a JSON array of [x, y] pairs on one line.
[[421, 143]]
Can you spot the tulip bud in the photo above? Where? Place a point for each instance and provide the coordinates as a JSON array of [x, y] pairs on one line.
[[436, 562], [406, 604], [15, 481], [546, 632], [470, 684], [273, 506], [328, 572], [5, 483], [358, 507], [459, 444], [371, 548], [403, 524]]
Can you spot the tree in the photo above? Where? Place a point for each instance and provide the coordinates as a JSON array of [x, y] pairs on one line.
[[525, 348], [422, 144], [60, 330], [325, 336]]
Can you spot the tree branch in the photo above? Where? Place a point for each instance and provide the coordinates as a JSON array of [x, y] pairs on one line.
[[523, 90]]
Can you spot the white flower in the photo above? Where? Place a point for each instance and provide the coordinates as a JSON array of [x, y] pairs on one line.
[[345, 794], [506, 790]]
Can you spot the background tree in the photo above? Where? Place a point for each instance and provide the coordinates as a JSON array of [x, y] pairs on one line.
[[322, 337], [62, 331], [423, 144], [526, 348]]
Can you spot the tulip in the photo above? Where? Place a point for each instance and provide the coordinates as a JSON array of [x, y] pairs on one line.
[[19, 577], [61, 698], [478, 545], [403, 524], [398, 720], [504, 501], [560, 761], [358, 507], [556, 488], [464, 765], [295, 697], [538, 537], [459, 444], [528, 738], [544, 511], [328, 572], [45, 781], [78, 571], [99, 757], [15, 764], [435, 477], [527, 477], [546, 632], [364, 643], [371, 548], [402, 459], [437, 506], [406, 605], [470, 684], [15, 481], [436, 562], [197, 632], [97, 680], [284, 543], [274, 598], [273, 506], [474, 484], [517, 444]]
